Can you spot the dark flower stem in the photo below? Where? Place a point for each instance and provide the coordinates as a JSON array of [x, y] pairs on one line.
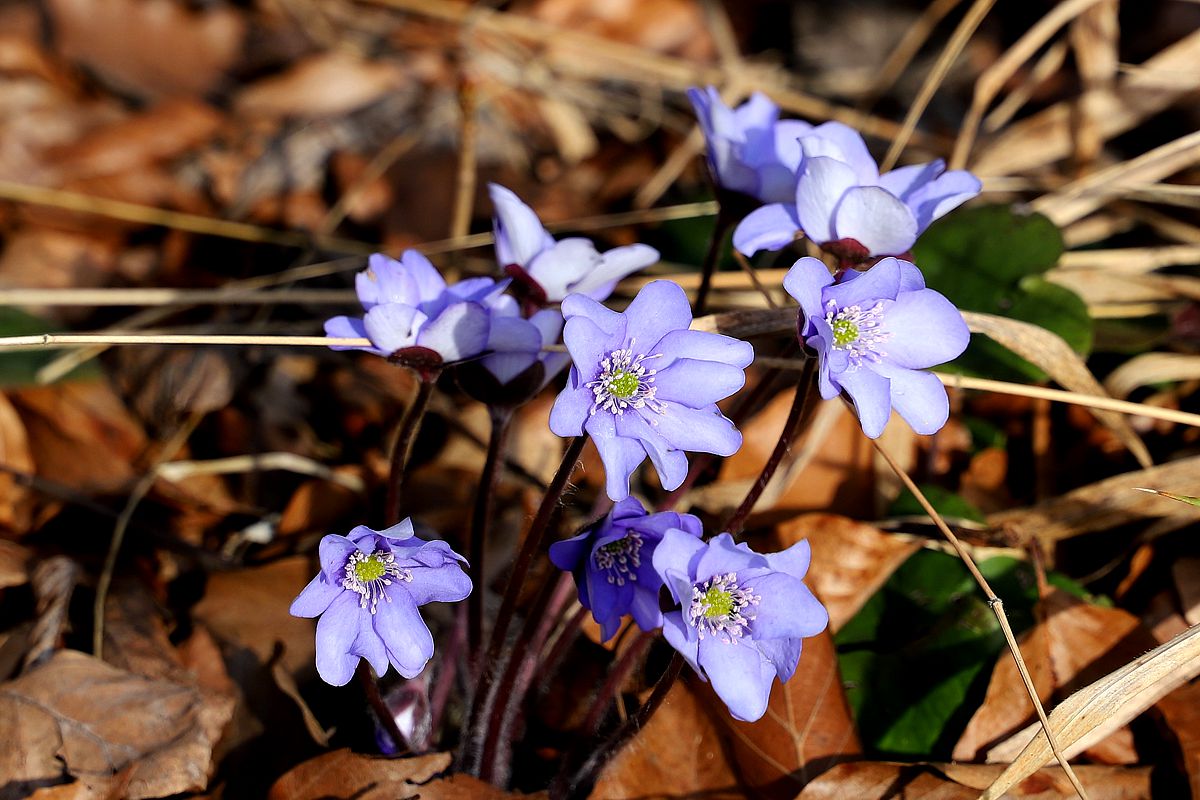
[[579, 785], [791, 428], [617, 676], [405, 437], [490, 668], [370, 684], [723, 223], [481, 519]]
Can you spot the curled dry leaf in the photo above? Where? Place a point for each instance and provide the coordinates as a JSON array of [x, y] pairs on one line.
[[678, 753], [1053, 355], [325, 85], [807, 727], [76, 716], [876, 780], [1105, 505], [851, 560], [1093, 712], [1073, 645]]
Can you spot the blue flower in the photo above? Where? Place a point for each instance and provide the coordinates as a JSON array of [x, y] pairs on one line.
[[642, 384], [409, 305], [515, 343], [552, 270], [874, 333], [611, 563], [750, 150], [743, 616], [367, 594], [842, 203]]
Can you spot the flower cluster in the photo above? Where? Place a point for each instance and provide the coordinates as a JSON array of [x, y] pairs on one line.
[[821, 181], [874, 332], [643, 384], [367, 594], [743, 616], [611, 562]]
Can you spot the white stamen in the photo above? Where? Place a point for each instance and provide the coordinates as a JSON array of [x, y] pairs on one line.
[[625, 382], [722, 608], [369, 575]]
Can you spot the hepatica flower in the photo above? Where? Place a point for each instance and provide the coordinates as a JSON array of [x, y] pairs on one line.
[[551, 270], [842, 203], [750, 150], [642, 384], [611, 563], [367, 594], [874, 333], [742, 617], [409, 305]]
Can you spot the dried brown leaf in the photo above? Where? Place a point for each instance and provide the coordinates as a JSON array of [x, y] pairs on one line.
[[81, 435], [15, 499], [807, 727], [1093, 712], [342, 775], [78, 716], [851, 560], [14, 564], [1075, 644], [1053, 355], [678, 754], [1107, 504], [1148, 368], [325, 85], [876, 780], [1181, 712], [1186, 572]]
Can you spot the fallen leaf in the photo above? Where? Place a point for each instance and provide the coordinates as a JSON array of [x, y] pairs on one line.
[[325, 85], [806, 730], [851, 560], [1186, 572], [1181, 712], [678, 754], [78, 716], [880, 780], [1093, 712], [14, 564], [15, 499], [1075, 644], [343, 775]]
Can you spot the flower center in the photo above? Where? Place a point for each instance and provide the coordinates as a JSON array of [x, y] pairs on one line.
[[368, 575], [620, 558], [625, 382], [857, 331], [721, 607]]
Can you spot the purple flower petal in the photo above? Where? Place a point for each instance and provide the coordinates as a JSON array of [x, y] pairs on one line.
[[614, 265], [698, 382], [904, 181], [670, 463], [788, 609], [407, 638], [880, 222], [737, 676], [562, 265], [683, 639], [315, 597], [823, 181], [368, 645], [771, 227], [793, 561], [348, 328], [784, 655], [333, 552], [571, 408], [925, 330], [805, 281], [659, 308], [610, 323], [943, 195], [919, 397], [446, 584], [704, 346], [519, 233], [880, 282], [569, 554], [847, 146], [461, 331], [698, 429], [621, 456], [424, 275], [516, 344], [400, 532], [678, 553], [871, 393], [336, 631], [723, 556], [392, 326]]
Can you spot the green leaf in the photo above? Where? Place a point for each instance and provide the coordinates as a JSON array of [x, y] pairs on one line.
[[917, 657], [991, 259], [944, 501], [20, 367]]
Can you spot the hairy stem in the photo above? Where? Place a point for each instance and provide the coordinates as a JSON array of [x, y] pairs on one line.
[[534, 542], [383, 714], [481, 519], [402, 449], [791, 428]]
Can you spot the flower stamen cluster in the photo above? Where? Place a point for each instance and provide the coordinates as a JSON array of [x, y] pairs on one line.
[[620, 559], [858, 331], [625, 382], [722, 608], [368, 576]]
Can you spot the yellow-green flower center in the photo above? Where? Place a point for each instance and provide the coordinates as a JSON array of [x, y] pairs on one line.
[[844, 332], [623, 385], [371, 568], [717, 602]]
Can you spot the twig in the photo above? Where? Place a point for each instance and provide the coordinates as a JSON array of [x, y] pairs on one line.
[[406, 435], [468, 150], [994, 602], [950, 54], [171, 297]]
